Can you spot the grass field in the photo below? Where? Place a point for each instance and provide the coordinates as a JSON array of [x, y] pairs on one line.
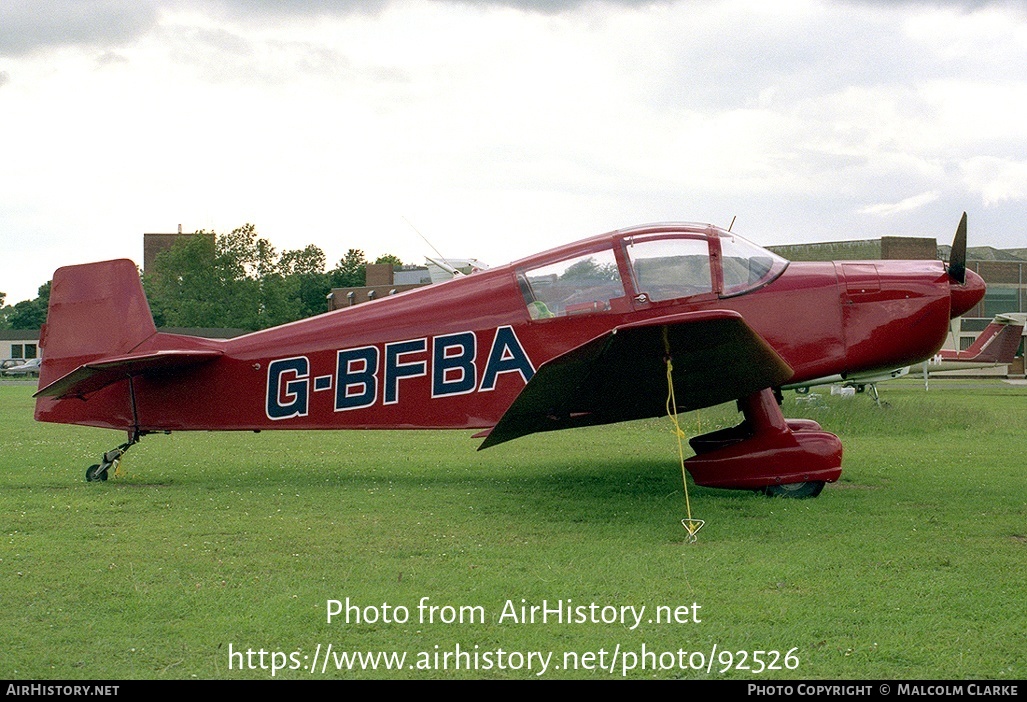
[[912, 567]]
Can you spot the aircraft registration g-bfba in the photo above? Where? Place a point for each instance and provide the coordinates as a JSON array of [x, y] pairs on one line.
[[580, 335]]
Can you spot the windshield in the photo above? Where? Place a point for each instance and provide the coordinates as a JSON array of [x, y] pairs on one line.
[[747, 266]]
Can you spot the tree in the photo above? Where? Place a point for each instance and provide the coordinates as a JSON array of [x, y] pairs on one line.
[[307, 282], [305, 261], [350, 271], [389, 258], [27, 314], [184, 287], [235, 280]]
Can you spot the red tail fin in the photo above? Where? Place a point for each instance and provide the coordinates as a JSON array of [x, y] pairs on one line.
[[96, 310], [996, 344]]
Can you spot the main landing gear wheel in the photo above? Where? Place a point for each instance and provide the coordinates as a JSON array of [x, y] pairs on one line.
[[810, 488], [94, 474]]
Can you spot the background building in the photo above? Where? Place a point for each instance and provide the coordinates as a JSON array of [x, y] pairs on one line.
[[19, 344], [384, 279]]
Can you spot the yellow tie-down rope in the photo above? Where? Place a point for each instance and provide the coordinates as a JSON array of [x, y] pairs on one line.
[[692, 526]]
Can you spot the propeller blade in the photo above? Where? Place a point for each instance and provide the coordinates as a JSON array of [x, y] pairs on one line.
[[957, 258]]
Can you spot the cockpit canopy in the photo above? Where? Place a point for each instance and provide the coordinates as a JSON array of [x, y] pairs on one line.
[[647, 266], [746, 266]]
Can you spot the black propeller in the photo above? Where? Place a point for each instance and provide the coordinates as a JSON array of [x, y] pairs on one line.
[[957, 258]]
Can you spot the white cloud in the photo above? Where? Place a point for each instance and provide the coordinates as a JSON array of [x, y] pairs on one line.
[[997, 180], [910, 203]]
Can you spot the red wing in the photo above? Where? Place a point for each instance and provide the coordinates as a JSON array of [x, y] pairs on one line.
[[622, 375]]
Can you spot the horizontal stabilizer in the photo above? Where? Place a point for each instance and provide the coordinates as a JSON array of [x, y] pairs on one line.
[[622, 374], [102, 372]]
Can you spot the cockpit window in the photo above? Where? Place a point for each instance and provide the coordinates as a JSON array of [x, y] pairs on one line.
[[746, 265], [665, 269], [580, 285]]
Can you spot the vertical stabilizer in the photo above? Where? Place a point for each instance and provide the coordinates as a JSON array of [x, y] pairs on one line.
[[998, 343], [96, 310]]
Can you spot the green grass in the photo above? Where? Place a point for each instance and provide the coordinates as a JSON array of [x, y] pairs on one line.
[[912, 566]]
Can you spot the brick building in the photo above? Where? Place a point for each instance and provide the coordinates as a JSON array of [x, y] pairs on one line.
[[383, 279]]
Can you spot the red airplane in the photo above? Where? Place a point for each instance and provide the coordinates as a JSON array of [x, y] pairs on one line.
[[576, 336]]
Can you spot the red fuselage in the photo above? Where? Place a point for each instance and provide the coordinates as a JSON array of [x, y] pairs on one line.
[[457, 354]]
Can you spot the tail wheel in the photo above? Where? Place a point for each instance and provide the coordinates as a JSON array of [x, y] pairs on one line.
[[798, 491], [94, 474]]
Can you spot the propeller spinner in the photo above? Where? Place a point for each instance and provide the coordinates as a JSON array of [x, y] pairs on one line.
[[966, 287]]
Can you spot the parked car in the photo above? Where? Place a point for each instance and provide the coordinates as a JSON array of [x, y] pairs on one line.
[[28, 369]]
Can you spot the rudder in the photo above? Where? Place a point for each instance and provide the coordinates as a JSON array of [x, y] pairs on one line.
[[999, 342], [96, 310]]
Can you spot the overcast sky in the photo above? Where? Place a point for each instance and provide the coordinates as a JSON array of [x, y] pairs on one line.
[[502, 128]]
